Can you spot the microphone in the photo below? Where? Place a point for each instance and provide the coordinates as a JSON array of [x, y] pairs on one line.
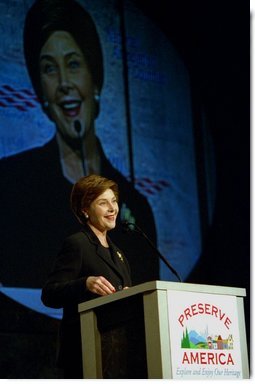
[[77, 127], [132, 227], [126, 226]]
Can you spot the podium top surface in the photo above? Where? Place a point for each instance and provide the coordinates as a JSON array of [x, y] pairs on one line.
[[162, 286]]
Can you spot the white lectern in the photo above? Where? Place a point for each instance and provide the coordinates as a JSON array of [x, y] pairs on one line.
[[192, 331]]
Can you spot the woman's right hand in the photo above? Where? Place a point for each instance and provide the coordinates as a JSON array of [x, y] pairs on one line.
[[99, 285]]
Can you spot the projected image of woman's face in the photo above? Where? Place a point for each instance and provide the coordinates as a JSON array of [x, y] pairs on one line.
[[67, 84]]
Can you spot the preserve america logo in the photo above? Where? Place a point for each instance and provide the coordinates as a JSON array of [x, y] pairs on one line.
[[204, 336]]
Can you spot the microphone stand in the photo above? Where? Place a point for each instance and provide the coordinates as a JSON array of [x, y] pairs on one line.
[[77, 127], [139, 230]]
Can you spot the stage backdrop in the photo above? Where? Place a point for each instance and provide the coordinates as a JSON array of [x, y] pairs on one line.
[[157, 98]]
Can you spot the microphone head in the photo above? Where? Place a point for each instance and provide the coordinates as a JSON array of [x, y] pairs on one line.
[[77, 126], [127, 226]]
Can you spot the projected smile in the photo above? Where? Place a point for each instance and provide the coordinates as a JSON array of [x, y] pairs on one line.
[[71, 108]]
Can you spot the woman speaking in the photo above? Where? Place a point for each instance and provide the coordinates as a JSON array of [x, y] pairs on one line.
[[90, 265]]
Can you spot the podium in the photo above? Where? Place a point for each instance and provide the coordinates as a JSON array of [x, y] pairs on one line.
[[192, 331]]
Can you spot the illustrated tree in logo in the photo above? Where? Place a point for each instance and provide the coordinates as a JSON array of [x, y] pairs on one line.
[[185, 343]]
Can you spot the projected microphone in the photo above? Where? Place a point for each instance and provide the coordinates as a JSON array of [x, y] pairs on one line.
[[132, 227], [77, 127]]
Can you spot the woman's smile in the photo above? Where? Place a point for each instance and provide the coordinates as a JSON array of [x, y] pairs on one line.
[[71, 107]]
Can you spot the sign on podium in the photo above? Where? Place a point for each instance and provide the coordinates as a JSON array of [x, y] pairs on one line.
[[192, 331]]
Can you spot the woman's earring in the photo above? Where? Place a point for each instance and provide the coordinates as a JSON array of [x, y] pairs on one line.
[[96, 96], [86, 215], [45, 104], [97, 102]]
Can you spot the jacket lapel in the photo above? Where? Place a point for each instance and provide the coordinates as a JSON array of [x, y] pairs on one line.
[[118, 261], [116, 253]]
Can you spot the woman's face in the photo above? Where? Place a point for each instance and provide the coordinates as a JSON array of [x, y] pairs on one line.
[[67, 84], [103, 211]]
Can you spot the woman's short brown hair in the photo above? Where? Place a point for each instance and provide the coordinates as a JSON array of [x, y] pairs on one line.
[[86, 190]]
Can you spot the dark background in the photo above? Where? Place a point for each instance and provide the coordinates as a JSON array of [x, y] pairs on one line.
[[213, 38]]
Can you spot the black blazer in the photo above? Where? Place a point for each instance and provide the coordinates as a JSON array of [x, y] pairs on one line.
[[82, 256]]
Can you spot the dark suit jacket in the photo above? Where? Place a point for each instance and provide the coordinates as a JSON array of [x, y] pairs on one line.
[[82, 256]]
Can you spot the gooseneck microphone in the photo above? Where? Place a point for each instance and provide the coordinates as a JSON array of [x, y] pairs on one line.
[[77, 127], [132, 227]]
